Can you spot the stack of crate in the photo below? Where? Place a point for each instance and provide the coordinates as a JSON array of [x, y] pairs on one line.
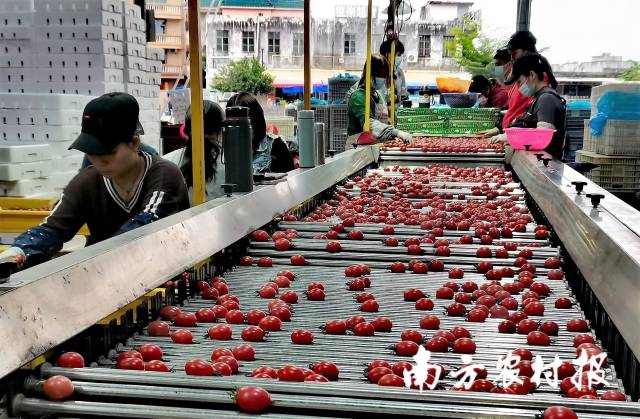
[[575, 131], [57, 55], [616, 151]]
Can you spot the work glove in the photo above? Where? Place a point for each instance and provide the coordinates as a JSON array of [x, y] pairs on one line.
[[11, 260], [403, 135], [488, 133], [500, 138]]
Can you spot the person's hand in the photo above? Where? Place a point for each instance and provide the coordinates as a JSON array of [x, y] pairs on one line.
[[404, 136], [498, 139], [482, 101], [488, 133], [10, 261]]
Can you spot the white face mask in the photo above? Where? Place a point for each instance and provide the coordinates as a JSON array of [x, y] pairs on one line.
[[398, 62], [379, 83]]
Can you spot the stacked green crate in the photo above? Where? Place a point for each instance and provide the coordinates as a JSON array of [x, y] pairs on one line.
[[447, 121]]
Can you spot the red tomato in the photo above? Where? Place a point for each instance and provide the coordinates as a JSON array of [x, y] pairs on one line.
[[185, 319], [538, 339], [317, 378], [71, 360], [252, 334], [231, 361], [430, 322], [382, 324], [260, 236], [131, 364], [436, 265], [437, 344], [398, 267], [157, 366], [378, 363], [407, 347], [246, 261], [221, 368], [218, 352], [270, 323], [302, 337], [364, 329], [220, 332], [464, 346], [298, 260], [375, 374], [150, 352], [614, 395], [335, 327], [254, 317], [391, 380], [327, 369], [424, 304], [169, 312], [182, 336], [158, 328], [289, 297], [251, 399], [290, 373], [266, 371], [282, 244], [282, 312], [370, 306], [444, 293], [58, 387], [577, 325], [352, 321], [559, 412], [128, 354]]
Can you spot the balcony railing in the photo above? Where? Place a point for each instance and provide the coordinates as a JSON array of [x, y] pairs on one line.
[[166, 11], [169, 41], [169, 70]]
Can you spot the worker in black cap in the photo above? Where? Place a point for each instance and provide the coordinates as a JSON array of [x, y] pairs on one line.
[[502, 63], [521, 43], [532, 73], [123, 189]]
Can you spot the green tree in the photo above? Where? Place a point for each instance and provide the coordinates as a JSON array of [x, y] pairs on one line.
[[245, 75], [632, 74], [473, 51]]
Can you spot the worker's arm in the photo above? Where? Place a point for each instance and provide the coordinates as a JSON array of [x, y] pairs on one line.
[[381, 131], [166, 195], [40, 243]]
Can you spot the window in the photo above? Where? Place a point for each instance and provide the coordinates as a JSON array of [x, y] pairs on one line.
[[445, 51], [222, 42], [298, 44], [274, 43], [248, 41], [349, 44], [424, 46]]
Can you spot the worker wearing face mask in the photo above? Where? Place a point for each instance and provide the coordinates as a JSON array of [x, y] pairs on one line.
[[379, 119], [399, 80], [548, 109], [502, 63]]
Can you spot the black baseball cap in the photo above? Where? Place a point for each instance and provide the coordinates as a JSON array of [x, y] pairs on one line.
[[528, 63], [107, 121], [522, 40]]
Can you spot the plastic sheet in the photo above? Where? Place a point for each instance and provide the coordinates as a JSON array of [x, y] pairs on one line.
[[615, 105]]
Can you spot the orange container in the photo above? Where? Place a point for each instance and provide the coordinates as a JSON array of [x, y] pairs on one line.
[[20, 214], [452, 85]]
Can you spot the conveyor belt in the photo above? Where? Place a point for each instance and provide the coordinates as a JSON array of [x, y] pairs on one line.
[[105, 391]]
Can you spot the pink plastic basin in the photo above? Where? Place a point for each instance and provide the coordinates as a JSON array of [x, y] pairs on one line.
[[536, 138]]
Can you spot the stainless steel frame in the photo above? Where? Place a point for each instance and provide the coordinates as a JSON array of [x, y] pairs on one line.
[[603, 242], [43, 306]]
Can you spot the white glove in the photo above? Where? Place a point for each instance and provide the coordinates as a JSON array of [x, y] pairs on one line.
[[500, 138], [405, 136], [10, 261]]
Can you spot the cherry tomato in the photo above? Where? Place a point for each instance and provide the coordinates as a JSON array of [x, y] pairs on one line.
[[290, 373], [131, 364], [559, 412], [71, 360], [266, 371], [252, 334], [220, 332], [302, 337], [182, 336], [157, 366], [391, 380], [58, 387], [327, 369], [335, 327], [251, 399], [363, 329], [375, 374], [270, 323], [382, 324], [430, 322], [231, 361], [150, 352]]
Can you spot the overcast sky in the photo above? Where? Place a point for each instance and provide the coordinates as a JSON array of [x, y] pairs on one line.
[[573, 30]]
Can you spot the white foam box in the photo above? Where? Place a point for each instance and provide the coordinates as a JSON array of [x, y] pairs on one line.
[[41, 117], [154, 66], [67, 164], [58, 180], [598, 91], [17, 61], [54, 133], [108, 33], [25, 187], [13, 19], [89, 89], [81, 75], [149, 116], [16, 47], [13, 88], [136, 23], [17, 171], [114, 6], [22, 153], [135, 50], [16, 6], [76, 18], [19, 133], [60, 149], [135, 63], [16, 32], [136, 90], [43, 101], [135, 76], [149, 103], [135, 37], [132, 10], [154, 79], [18, 75], [152, 91], [105, 61], [156, 54], [91, 46]]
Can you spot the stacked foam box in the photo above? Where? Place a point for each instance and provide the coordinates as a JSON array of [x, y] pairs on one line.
[[617, 149], [55, 56]]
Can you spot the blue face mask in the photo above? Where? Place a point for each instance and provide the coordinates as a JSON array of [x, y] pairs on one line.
[[379, 83], [499, 72], [527, 90]]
